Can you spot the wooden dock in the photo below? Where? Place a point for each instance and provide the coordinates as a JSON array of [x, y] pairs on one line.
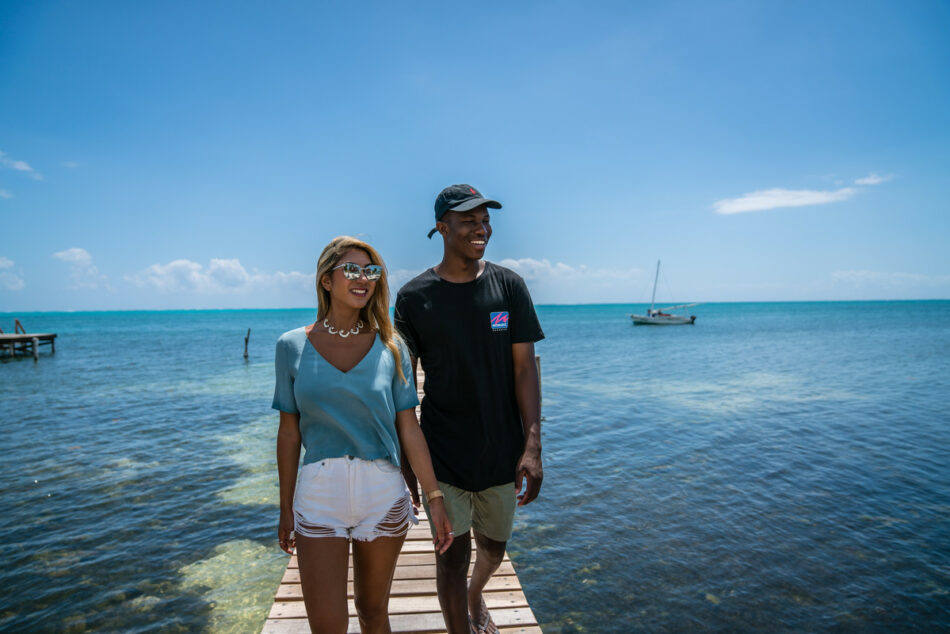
[[414, 603], [24, 343]]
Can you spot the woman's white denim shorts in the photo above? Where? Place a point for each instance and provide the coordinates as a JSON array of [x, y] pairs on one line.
[[352, 498]]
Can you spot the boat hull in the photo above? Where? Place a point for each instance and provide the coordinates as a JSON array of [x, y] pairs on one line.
[[663, 320]]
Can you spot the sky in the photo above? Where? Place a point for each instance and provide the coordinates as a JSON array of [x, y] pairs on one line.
[[187, 155]]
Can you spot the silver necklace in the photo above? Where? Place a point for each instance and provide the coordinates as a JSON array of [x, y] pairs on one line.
[[343, 333]]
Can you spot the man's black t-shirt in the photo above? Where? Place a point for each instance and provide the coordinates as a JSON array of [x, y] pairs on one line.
[[462, 333]]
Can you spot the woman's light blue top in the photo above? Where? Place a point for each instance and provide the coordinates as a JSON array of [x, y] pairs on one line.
[[343, 413]]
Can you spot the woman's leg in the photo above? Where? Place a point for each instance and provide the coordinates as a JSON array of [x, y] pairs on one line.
[[373, 566], [323, 563]]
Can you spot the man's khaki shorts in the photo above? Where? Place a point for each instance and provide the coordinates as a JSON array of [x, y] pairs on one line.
[[490, 512]]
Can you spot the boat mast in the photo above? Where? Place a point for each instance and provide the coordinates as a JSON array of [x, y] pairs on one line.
[[653, 299]]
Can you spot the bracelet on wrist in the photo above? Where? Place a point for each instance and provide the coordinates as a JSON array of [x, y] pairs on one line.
[[434, 495]]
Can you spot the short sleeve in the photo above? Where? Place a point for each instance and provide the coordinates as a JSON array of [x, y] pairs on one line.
[[404, 326], [284, 399], [524, 322], [404, 391]]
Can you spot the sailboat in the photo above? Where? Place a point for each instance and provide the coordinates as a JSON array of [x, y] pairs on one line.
[[659, 316]]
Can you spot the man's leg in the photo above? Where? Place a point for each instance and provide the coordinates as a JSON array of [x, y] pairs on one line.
[[488, 556], [451, 573], [493, 514], [451, 567]]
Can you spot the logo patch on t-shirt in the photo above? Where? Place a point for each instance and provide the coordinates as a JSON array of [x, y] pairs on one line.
[[499, 321]]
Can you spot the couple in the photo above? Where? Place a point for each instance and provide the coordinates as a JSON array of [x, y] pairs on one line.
[[345, 391]]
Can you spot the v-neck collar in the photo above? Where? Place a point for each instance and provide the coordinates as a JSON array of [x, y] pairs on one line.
[[327, 361]]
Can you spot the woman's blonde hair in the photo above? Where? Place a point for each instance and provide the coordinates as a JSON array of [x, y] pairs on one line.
[[376, 312]]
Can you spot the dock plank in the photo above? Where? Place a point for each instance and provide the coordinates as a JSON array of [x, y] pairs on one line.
[[509, 620], [417, 604], [405, 587], [292, 575]]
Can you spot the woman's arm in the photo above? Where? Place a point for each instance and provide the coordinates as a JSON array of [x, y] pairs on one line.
[[414, 447], [407, 472], [288, 460]]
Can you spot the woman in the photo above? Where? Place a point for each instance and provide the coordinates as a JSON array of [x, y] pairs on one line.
[[344, 390]]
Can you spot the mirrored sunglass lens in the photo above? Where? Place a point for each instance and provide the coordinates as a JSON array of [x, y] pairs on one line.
[[351, 271], [372, 271]]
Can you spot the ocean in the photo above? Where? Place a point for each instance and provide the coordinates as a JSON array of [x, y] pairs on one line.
[[777, 466]]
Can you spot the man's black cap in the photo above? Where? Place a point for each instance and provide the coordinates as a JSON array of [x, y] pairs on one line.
[[460, 198]]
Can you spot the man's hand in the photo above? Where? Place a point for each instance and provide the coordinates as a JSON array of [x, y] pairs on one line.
[[528, 469]]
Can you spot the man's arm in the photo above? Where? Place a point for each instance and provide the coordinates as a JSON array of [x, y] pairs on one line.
[[528, 394]]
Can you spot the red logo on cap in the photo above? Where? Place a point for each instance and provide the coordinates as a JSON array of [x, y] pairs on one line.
[[473, 191]]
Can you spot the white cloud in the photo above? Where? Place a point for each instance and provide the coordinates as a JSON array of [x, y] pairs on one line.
[[399, 277], [227, 282], [558, 283], [873, 179], [176, 275], [543, 270], [8, 280], [228, 273], [775, 198], [70, 164], [292, 278], [896, 280], [82, 272], [221, 276], [19, 166], [74, 255], [5, 194]]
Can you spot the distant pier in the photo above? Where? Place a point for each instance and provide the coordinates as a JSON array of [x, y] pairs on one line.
[[414, 602], [25, 343]]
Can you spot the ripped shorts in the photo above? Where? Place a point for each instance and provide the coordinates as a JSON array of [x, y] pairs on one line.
[[352, 498]]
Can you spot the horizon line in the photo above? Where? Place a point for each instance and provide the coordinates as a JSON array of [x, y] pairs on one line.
[[552, 305]]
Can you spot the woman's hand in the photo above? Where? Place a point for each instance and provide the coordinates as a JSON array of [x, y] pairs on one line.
[[285, 533], [443, 528]]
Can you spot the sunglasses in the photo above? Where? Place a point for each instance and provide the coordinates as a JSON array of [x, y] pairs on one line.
[[353, 271]]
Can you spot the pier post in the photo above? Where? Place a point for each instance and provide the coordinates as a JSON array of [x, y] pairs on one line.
[[36, 348], [246, 337]]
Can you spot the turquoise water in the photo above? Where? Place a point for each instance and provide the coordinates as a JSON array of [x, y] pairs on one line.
[[778, 466]]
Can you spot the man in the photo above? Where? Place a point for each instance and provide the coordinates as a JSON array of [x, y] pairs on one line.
[[473, 326]]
